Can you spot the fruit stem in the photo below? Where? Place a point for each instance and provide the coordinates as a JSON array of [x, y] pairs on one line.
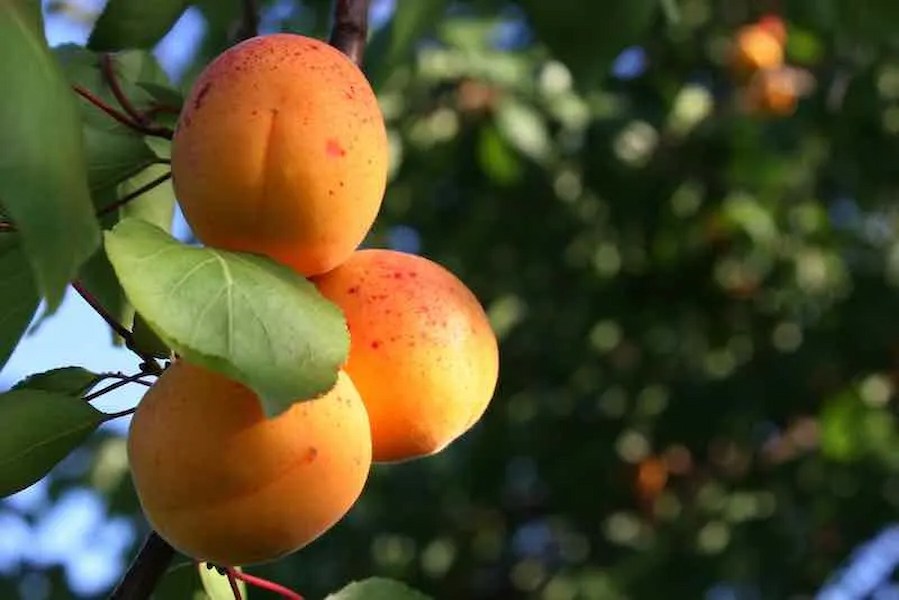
[[264, 584], [232, 581], [350, 28], [144, 573], [149, 365], [132, 195]]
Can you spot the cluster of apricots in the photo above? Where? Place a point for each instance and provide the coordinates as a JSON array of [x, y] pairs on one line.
[[281, 150], [768, 85]]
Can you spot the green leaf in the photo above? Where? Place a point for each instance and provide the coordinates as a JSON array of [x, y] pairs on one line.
[[394, 43], [155, 206], [114, 151], [188, 581], [146, 341], [39, 429], [377, 588], [72, 381], [20, 297], [216, 586], [587, 36], [43, 182], [129, 24], [242, 315]]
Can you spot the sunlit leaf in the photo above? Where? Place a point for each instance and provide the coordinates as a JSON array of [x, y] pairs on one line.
[[129, 24], [377, 588], [73, 381], [239, 314]]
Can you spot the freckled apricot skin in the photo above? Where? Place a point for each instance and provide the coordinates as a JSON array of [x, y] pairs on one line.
[[422, 353], [281, 150], [222, 483]]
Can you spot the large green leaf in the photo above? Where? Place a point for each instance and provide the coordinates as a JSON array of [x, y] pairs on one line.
[[43, 181], [240, 314], [130, 24], [39, 429], [18, 294], [587, 36], [72, 381], [377, 588]]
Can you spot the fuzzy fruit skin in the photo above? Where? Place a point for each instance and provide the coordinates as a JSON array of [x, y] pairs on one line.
[[221, 483], [422, 353], [281, 150]]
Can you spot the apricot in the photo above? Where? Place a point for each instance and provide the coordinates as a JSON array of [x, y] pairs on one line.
[[774, 92], [222, 483], [281, 150], [756, 48], [422, 353]]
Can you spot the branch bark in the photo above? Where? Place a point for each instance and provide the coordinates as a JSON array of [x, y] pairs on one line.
[[249, 22], [146, 570], [350, 29]]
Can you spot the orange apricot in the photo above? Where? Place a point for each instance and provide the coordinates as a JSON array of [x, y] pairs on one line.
[[774, 92], [222, 483], [281, 150], [422, 353], [756, 48]]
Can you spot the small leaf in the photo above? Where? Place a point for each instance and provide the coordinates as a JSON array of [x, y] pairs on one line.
[[20, 297], [195, 582], [43, 183], [242, 315], [217, 586], [378, 588], [72, 381], [129, 24], [39, 430]]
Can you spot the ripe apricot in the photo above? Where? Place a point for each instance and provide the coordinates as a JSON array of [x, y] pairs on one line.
[[774, 92], [224, 484], [281, 150], [422, 353], [756, 48]]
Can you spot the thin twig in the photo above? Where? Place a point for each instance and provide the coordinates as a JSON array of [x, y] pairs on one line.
[[122, 118], [145, 572], [118, 415], [132, 195], [249, 23], [264, 584], [116, 385], [350, 28], [112, 80], [149, 364]]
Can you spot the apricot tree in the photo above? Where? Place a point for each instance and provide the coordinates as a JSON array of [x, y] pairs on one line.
[[253, 439]]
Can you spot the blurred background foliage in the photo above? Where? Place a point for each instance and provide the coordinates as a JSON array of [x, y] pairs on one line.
[[696, 302]]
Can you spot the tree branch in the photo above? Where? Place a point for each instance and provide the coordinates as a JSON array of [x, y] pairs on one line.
[[149, 364], [350, 28], [132, 195], [145, 572]]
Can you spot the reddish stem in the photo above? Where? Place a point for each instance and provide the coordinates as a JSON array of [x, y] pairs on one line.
[[264, 584], [109, 74], [122, 118], [232, 581]]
